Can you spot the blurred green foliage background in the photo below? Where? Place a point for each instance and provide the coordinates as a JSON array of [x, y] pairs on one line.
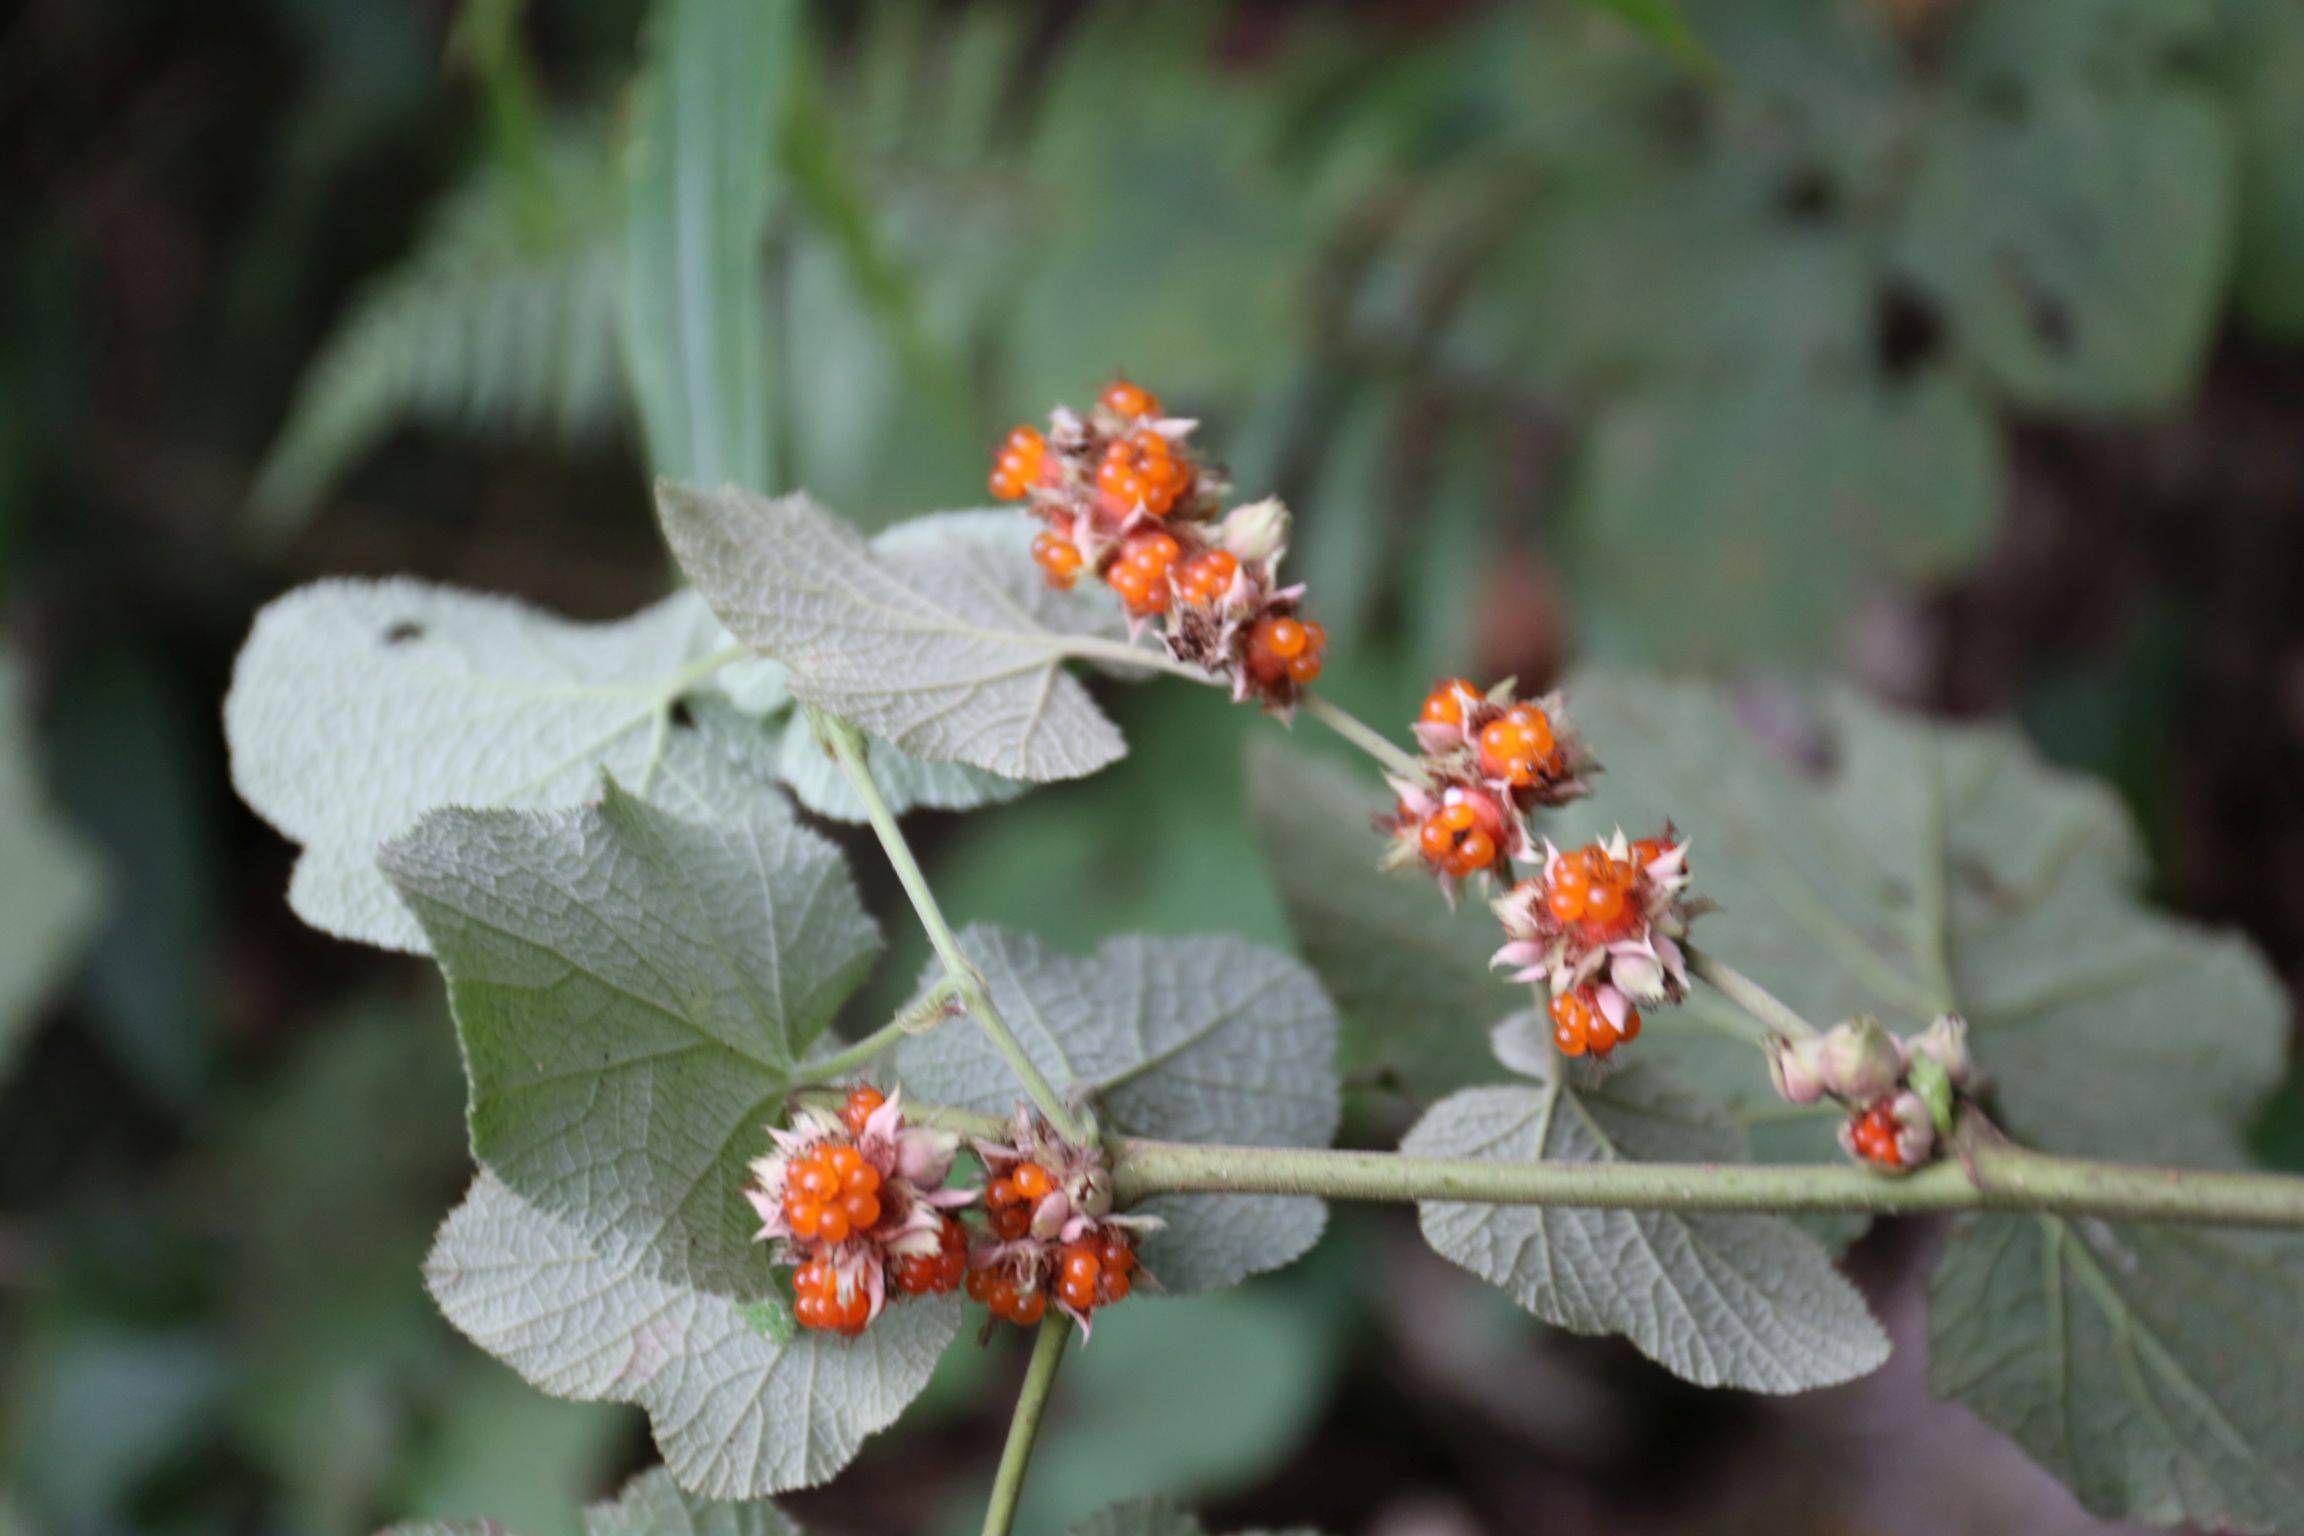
[[1953, 346]]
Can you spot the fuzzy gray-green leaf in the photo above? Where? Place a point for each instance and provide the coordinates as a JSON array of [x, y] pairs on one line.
[[357, 706], [2159, 1371], [1733, 1301], [937, 638], [1194, 1039], [737, 1414], [633, 993]]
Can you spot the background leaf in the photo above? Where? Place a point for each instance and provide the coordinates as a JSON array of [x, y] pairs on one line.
[[937, 638], [1410, 974], [652, 1504], [1202, 1039], [736, 1413], [53, 886], [1937, 868], [1157, 1517], [2159, 1371], [701, 177], [633, 993], [1738, 1301], [502, 320]]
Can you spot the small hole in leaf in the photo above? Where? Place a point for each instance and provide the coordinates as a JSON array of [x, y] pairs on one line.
[[1908, 333], [403, 632], [682, 718], [1809, 198]]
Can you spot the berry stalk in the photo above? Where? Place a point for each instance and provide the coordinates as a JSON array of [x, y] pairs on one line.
[[1987, 1174], [1749, 995], [1024, 1428], [846, 746], [1395, 760], [917, 1019]]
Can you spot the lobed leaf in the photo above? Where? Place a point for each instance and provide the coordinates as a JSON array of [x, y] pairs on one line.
[[1734, 1301], [634, 993], [2159, 1371], [737, 1413], [938, 638], [1195, 1039]]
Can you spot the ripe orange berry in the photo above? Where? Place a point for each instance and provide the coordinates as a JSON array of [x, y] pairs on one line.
[[1032, 1181], [1571, 1023], [1444, 705], [1207, 576], [1058, 558], [1874, 1133], [934, 1274], [1142, 592], [1153, 553], [1117, 1256], [1018, 463], [863, 1101], [1010, 1222], [1284, 648], [1518, 746], [1122, 398], [1464, 836]]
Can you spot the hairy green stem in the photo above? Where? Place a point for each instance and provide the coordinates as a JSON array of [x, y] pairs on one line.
[[847, 747], [1024, 1428], [1986, 1174], [915, 1018], [1749, 995], [1364, 736]]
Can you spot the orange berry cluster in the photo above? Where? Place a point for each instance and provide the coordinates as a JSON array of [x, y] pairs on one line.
[[1125, 500], [1873, 1135], [1464, 836], [1283, 649], [1595, 892], [1009, 1200], [831, 1193], [1018, 465], [1142, 469], [1093, 1272], [923, 1274], [1519, 747], [817, 1302], [1579, 1025]]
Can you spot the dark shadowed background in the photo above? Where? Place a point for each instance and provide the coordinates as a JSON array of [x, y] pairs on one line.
[[1952, 347]]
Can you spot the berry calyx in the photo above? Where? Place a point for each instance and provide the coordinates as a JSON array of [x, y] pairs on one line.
[[1017, 464], [863, 1100], [1129, 401], [1059, 559]]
